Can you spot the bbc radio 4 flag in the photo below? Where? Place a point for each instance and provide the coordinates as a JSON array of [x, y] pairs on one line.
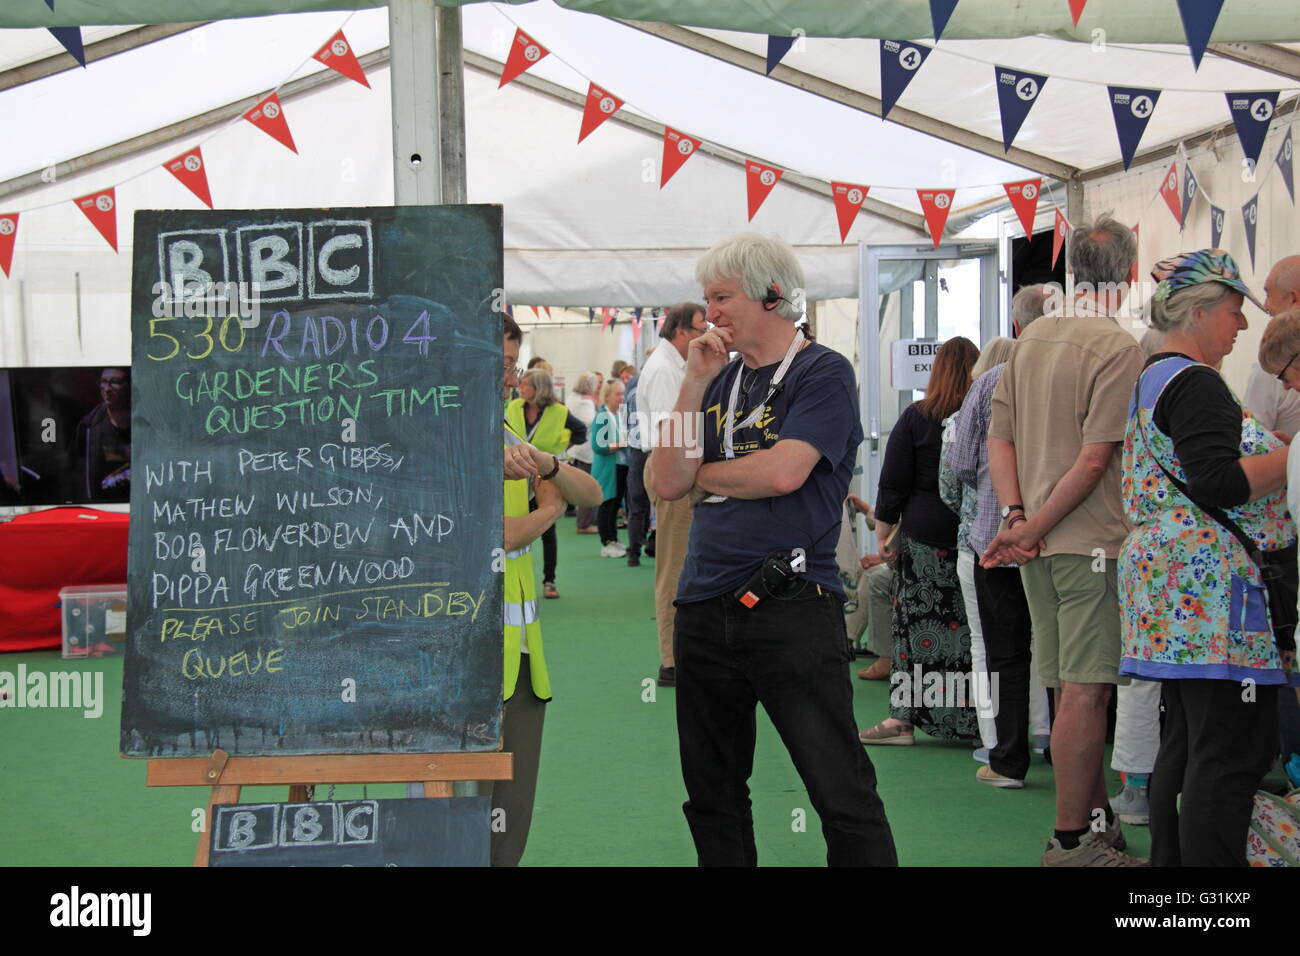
[[899, 61], [1132, 108], [1190, 187], [1252, 114], [1285, 154], [1018, 91]]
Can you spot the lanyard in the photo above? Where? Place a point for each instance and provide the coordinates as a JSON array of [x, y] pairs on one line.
[[728, 445]]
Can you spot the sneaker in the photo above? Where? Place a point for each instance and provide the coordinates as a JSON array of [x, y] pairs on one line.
[[613, 550], [994, 779], [981, 755], [1091, 851], [633, 559], [667, 677], [1113, 837], [1131, 805], [1041, 743]]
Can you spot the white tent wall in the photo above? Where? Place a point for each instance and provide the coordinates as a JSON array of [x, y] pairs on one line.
[[1131, 197]]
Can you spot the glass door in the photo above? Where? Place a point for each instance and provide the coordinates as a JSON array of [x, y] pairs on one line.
[[911, 300]]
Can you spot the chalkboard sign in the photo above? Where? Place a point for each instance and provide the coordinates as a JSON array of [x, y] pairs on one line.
[[443, 831], [316, 506]]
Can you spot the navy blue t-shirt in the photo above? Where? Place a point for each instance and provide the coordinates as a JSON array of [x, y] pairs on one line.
[[818, 404]]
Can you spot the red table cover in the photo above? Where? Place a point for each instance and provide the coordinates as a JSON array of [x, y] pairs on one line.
[[44, 551]]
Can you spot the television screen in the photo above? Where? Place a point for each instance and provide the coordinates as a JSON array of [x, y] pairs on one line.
[[65, 435]]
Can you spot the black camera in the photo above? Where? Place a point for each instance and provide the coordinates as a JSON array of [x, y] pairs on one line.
[[774, 578]]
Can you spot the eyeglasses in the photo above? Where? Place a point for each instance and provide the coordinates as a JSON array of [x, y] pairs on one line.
[[512, 371], [1281, 376]]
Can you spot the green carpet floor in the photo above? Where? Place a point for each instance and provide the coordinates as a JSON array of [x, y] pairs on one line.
[[610, 790]]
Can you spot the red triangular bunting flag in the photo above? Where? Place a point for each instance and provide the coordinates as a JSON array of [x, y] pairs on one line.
[[678, 148], [1173, 196], [1059, 230], [1024, 200], [524, 52], [1076, 9], [936, 204], [188, 168], [606, 317], [8, 233], [101, 209], [548, 310], [1133, 273], [268, 116], [601, 105], [338, 56], [759, 180], [848, 201], [636, 329]]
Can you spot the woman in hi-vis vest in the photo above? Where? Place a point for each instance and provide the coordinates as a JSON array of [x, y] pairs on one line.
[[552, 428], [529, 473]]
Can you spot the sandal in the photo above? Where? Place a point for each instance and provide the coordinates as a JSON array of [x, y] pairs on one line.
[[548, 590], [880, 734]]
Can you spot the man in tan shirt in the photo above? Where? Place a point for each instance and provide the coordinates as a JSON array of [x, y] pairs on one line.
[[1058, 417]]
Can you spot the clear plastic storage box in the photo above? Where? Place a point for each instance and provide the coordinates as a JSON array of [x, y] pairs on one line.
[[94, 619]]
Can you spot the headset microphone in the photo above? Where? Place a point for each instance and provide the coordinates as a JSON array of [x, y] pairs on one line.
[[772, 298]]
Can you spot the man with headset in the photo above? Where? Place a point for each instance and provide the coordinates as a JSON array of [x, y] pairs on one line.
[[766, 444]]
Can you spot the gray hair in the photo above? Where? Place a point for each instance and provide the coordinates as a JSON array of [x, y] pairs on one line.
[[613, 385], [1102, 253], [758, 263], [1177, 312], [1028, 304], [1150, 342], [585, 384], [995, 352], [543, 386]]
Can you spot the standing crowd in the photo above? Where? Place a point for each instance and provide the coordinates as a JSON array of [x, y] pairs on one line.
[[1063, 513]]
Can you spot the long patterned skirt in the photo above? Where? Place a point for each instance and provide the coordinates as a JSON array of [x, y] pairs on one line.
[[930, 680]]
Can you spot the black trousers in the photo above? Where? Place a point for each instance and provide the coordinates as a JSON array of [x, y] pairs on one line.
[[1214, 749], [1008, 644], [638, 501], [792, 657], [549, 548], [607, 516]]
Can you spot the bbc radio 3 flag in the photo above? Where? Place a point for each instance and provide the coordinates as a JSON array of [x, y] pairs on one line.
[[1190, 188], [1285, 154], [849, 198]]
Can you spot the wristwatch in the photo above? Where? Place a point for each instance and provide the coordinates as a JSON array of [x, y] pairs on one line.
[[1006, 511]]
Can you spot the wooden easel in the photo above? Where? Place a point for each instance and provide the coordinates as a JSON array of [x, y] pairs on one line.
[[226, 775]]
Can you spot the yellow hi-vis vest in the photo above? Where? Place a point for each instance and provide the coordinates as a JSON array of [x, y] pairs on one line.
[[521, 621], [549, 435]]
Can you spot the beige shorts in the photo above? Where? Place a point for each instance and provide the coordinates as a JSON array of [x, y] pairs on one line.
[[1075, 610]]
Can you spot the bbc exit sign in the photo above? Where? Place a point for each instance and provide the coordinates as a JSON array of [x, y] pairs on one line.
[[910, 362]]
